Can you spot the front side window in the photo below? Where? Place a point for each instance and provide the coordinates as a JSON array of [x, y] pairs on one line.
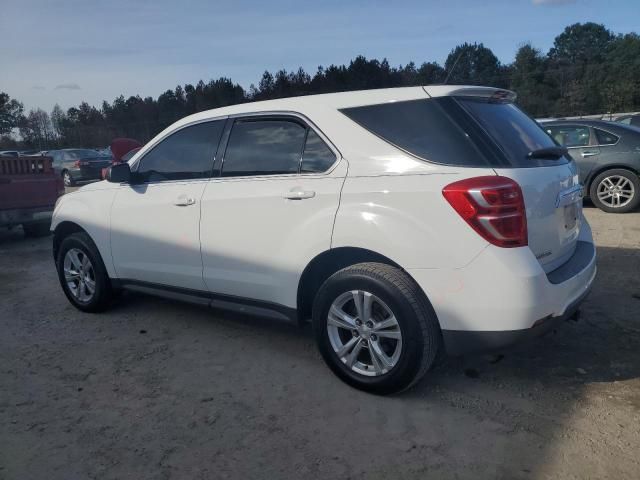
[[263, 147], [605, 138], [186, 154], [569, 135]]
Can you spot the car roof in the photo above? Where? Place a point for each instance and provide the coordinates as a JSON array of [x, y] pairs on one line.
[[349, 99]]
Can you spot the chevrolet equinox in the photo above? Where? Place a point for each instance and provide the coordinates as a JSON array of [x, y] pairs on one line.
[[403, 222]]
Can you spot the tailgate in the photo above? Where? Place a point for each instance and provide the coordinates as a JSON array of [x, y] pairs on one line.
[[27, 182], [549, 181], [553, 199]]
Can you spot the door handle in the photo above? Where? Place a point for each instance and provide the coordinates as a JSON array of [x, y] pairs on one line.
[[299, 194], [589, 153], [184, 201]]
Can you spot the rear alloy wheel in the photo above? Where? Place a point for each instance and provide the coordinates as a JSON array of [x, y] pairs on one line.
[[364, 333], [375, 328], [67, 179], [616, 191]]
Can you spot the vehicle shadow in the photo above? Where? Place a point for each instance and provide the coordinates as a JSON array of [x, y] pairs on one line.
[[521, 413]]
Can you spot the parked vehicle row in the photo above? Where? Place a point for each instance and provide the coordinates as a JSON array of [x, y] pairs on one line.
[[608, 159], [404, 222], [78, 164]]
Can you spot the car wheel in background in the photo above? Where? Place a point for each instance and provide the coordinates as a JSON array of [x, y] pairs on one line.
[[68, 179], [36, 229], [375, 328], [616, 191], [82, 273]]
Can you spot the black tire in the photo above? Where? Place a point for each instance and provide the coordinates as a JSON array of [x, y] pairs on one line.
[[617, 172], [37, 229], [67, 179], [421, 336], [103, 293]]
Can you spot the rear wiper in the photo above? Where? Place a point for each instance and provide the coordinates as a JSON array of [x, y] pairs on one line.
[[550, 152]]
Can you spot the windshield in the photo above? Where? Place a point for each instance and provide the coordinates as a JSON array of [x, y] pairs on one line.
[[85, 153], [514, 132]]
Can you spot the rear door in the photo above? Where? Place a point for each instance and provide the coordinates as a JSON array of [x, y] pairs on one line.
[[581, 143], [551, 186], [271, 209]]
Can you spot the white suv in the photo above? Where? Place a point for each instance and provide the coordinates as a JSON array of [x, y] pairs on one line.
[[405, 222]]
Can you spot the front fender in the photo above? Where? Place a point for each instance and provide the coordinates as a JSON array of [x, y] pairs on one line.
[[90, 210]]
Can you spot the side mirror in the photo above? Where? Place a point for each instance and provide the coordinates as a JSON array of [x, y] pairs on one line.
[[118, 173]]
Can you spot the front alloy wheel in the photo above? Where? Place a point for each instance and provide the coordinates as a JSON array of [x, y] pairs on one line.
[[364, 333], [79, 275]]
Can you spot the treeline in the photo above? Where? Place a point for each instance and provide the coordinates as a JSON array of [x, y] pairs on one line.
[[588, 70]]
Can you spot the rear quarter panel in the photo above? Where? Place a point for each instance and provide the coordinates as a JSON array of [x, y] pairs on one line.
[[407, 219]]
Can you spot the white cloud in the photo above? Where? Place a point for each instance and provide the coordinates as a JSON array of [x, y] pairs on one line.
[[68, 86], [552, 2]]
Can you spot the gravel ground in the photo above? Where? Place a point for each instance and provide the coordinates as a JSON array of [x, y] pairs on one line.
[[159, 389]]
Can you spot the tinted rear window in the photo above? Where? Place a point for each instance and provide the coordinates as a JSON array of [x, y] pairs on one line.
[[461, 131], [514, 131], [423, 128]]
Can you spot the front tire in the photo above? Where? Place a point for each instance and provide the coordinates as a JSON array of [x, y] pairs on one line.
[[38, 229], [82, 273], [375, 328], [616, 191]]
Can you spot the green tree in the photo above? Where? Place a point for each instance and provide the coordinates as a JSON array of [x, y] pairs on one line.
[[10, 113], [474, 64]]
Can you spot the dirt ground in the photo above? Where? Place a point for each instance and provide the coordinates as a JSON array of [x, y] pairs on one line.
[[159, 389]]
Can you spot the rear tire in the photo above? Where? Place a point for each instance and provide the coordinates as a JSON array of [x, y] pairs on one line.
[[615, 186], [415, 329], [82, 273], [38, 229], [68, 179]]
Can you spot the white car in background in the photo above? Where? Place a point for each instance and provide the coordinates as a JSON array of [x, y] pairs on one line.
[[404, 222]]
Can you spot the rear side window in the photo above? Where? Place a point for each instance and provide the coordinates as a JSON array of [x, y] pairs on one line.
[[263, 147], [515, 133], [605, 138], [186, 154], [423, 128], [569, 135], [317, 156]]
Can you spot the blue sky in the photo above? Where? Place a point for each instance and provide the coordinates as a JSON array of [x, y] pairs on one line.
[[67, 51]]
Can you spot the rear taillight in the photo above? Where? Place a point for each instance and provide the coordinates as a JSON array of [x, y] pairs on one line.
[[77, 163], [493, 206]]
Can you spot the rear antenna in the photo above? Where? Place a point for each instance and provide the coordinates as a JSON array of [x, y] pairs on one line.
[[453, 67]]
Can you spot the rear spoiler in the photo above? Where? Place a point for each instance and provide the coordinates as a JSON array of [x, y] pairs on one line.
[[496, 94]]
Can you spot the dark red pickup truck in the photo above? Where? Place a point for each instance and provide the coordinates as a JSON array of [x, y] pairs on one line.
[[29, 189]]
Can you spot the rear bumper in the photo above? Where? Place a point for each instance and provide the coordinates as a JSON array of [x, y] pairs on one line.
[[504, 296], [9, 218], [460, 342]]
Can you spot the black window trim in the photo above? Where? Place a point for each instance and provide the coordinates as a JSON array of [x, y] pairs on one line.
[[595, 136], [136, 164], [291, 116]]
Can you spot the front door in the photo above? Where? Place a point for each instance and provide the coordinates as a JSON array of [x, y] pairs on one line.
[[155, 222]]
